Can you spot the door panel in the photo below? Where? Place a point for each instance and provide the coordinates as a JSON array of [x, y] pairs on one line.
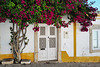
[[52, 30], [52, 43], [42, 31], [42, 41]]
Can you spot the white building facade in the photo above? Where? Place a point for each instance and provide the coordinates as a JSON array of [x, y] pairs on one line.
[[62, 44]]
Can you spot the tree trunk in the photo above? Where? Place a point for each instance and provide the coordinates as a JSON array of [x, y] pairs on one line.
[[18, 39]]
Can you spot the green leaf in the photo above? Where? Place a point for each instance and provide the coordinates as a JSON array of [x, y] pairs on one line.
[[11, 4], [19, 6]]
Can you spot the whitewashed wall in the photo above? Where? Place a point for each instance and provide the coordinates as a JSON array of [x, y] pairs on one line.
[[83, 42], [30, 35], [5, 38], [67, 38]]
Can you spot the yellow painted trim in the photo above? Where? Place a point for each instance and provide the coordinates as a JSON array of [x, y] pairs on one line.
[[23, 56], [28, 56], [4, 56], [97, 18], [66, 58], [88, 59], [74, 28], [98, 15]]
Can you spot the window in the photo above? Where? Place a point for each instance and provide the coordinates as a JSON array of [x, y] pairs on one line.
[[95, 38]]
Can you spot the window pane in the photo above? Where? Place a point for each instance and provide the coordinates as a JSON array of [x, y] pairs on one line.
[[98, 38], [95, 34], [95, 44], [95, 39]]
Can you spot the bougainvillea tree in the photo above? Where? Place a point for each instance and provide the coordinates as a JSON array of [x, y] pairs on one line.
[[25, 12]]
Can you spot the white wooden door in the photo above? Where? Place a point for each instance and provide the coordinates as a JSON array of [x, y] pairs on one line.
[[42, 43], [52, 43], [47, 43]]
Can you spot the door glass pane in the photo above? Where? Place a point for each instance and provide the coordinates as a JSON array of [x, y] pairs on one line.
[[52, 30], [42, 43], [42, 30], [95, 39], [52, 42]]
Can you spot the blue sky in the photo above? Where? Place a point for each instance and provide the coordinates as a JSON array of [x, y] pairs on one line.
[[96, 4]]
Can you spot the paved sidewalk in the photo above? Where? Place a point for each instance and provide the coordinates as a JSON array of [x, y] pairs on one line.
[[55, 65]]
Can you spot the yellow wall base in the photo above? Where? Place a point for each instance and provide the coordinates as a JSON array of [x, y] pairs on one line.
[[66, 58], [28, 56], [23, 56], [4, 56]]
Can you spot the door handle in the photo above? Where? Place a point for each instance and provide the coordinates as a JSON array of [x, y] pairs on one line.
[[42, 48]]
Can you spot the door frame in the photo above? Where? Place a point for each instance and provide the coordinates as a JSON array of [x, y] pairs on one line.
[[58, 45]]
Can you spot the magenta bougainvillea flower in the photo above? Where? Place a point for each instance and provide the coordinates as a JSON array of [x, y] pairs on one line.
[[2, 19], [32, 12], [36, 29], [50, 12], [22, 1]]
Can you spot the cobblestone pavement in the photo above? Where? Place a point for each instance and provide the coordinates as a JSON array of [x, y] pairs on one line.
[[55, 65]]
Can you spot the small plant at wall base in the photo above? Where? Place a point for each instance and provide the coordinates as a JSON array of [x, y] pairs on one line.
[[25, 12]]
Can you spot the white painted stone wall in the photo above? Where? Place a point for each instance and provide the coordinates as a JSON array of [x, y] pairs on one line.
[[67, 38], [83, 42], [5, 38], [30, 35]]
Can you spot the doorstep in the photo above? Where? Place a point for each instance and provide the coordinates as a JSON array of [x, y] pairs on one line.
[[47, 62], [7, 61]]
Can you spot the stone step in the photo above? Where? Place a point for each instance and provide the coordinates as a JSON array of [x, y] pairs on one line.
[[25, 61], [7, 61], [48, 62]]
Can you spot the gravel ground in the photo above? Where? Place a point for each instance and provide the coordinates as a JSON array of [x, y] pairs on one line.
[[55, 65]]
